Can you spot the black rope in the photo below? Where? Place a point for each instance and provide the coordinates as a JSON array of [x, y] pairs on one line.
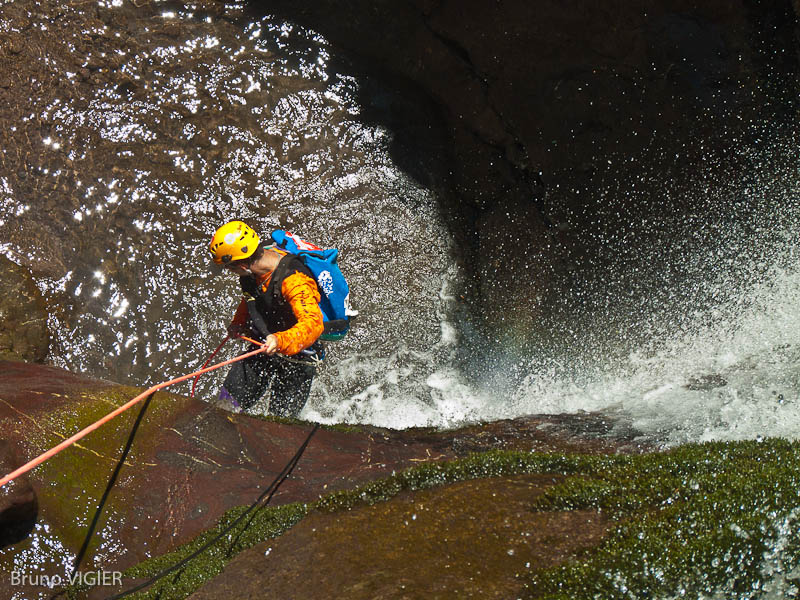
[[270, 490]]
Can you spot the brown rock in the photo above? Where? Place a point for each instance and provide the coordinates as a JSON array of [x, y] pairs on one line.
[[190, 462]]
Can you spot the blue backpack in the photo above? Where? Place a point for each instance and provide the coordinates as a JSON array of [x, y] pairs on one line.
[[334, 291]]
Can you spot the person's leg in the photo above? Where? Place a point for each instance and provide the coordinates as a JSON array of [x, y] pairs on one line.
[[290, 388], [225, 399], [248, 380]]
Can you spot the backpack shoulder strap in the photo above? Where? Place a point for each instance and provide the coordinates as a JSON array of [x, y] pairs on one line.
[[248, 286], [288, 263]]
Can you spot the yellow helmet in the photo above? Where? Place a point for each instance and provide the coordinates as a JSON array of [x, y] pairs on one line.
[[233, 241]]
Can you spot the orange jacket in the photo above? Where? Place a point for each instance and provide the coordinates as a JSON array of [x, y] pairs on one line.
[[302, 294]]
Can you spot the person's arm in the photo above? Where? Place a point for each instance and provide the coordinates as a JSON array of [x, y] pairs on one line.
[[303, 296], [239, 323]]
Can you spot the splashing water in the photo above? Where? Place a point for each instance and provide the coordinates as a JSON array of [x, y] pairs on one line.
[[710, 350], [736, 379]]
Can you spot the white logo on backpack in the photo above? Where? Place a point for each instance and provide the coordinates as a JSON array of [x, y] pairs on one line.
[[325, 281]]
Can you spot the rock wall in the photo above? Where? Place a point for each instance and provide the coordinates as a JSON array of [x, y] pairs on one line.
[[539, 104], [545, 102]]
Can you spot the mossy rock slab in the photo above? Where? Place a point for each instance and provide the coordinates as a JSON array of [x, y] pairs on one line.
[[190, 462], [701, 520], [472, 539]]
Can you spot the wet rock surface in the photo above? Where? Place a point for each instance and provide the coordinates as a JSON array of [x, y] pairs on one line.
[[23, 314], [584, 432], [467, 540], [138, 129], [190, 462]]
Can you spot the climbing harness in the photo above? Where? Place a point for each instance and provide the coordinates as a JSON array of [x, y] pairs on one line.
[[311, 357]]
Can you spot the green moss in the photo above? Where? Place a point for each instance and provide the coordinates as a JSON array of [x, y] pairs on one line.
[[490, 464], [349, 428], [258, 526], [699, 518], [273, 521]]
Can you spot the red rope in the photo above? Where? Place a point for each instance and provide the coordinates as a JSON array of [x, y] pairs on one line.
[[86, 431], [251, 340]]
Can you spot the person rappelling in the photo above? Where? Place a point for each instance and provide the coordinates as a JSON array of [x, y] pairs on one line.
[[293, 297]]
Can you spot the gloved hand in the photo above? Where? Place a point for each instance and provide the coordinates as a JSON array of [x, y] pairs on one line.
[[271, 344]]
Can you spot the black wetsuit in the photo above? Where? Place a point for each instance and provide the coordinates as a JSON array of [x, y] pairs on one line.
[[288, 381]]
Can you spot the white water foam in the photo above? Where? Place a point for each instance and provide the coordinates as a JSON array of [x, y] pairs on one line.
[[407, 388], [736, 375], [718, 350], [736, 378]]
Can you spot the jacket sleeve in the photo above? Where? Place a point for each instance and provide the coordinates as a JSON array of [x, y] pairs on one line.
[[303, 296], [240, 318]]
